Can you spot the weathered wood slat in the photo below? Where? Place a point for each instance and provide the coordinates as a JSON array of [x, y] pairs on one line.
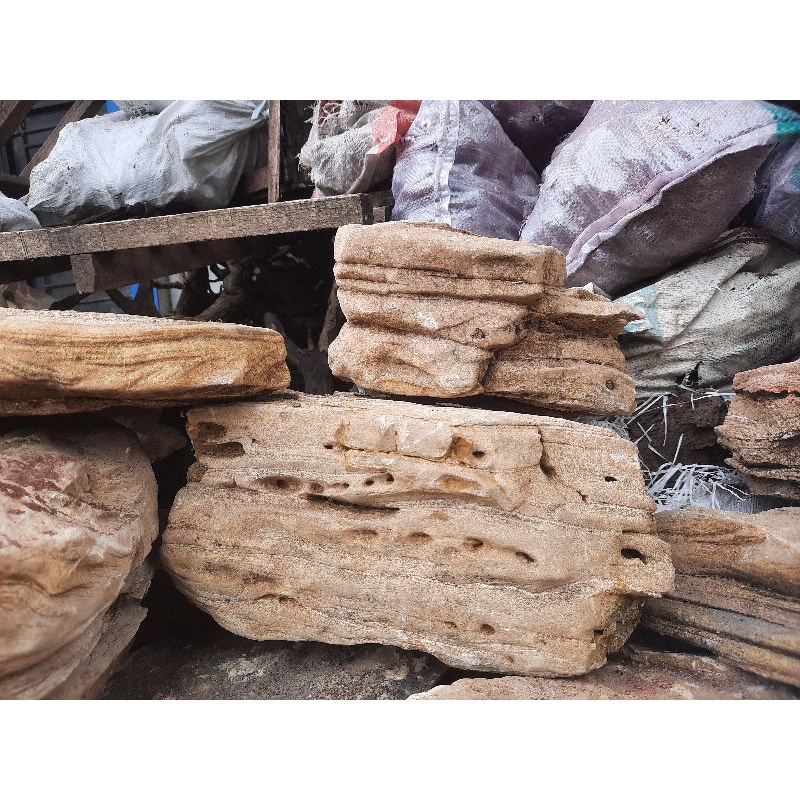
[[274, 155], [12, 112], [79, 110], [196, 226]]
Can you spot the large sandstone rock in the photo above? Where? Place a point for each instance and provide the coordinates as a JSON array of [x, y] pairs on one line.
[[737, 587], [436, 312], [639, 675], [227, 667], [77, 518], [494, 541], [762, 429], [54, 362]]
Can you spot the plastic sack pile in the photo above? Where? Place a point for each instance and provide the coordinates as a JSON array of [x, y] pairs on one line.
[[190, 155]]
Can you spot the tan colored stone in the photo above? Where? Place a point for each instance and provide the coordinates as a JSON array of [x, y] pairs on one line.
[[762, 429], [435, 312], [54, 362], [77, 517], [494, 541], [638, 675], [737, 587]]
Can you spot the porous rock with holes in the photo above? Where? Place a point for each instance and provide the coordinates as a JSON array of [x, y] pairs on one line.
[[762, 429], [78, 516], [54, 362], [639, 674], [737, 587], [437, 312], [494, 541]]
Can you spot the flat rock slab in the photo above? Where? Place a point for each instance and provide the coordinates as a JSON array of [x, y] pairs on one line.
[[55, 362], [737, 587], [494, 541], [762, 429], [228, 667], [78, 516], [437, 312], [639, 675]]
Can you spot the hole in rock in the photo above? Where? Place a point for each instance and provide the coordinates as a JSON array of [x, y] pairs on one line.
[[632, 552], [389, 477], [368, 482], [478, 453], [418, 537], [328, 446], [610, 479], [473, 544], [525, 557], [222, 450], [487, 629], [610, 384]]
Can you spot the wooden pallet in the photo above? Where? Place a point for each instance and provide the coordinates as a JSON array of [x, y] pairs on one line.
[[105, 255]]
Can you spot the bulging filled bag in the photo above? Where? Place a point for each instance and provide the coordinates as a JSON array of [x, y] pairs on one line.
[[641, 185], [15, 215], [192, 154], [351, 147], [456, 165], [732, 308]]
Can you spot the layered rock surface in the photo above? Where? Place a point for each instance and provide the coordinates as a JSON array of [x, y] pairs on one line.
[[494, 541], [639, 675], [228, 667], [762, 429], [54, 362], [78, 516], [436, 312], [737, 587]]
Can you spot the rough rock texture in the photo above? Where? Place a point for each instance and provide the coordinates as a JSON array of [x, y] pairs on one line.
[[638, 675], [228, 667], [436, 312], [54, 362], [77, 518], [762, 429], [495, 541], [737, 587]]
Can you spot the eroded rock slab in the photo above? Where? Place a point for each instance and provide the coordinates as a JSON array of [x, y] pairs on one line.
[[78, 516], [638, 675], [436, 312], [228, 667], [762, 429], [737, 587], [494, 541], [55, 362]]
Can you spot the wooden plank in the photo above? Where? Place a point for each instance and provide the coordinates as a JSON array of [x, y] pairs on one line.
[[95, 272], [12, 112], [274, 152], [80, 110], [197, 226], [34, 268], [13, 185]]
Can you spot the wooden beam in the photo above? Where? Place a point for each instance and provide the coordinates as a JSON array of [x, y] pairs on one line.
[[197, 226], [96, 272], [12, 112], [79, 110], [13, 185], [274, 152], [34, 268]]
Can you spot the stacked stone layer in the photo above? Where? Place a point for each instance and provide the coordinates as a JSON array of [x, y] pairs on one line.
[[494, 541], [55, 362], [737, 587], [762, 429], [78, 516], [436, 312]]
